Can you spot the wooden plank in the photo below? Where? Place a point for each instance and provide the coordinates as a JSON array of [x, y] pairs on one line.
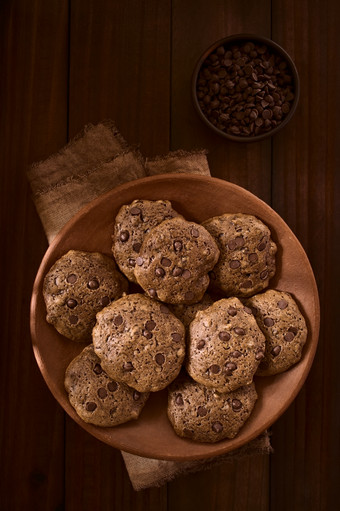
[[33, 104], [243, 484], [119, 69], [306, 192]]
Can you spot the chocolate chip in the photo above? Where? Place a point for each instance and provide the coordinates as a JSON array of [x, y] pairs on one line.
[[262, 245], [217, 427], [215, 369], [136, 395], [139, 261], [194, 232], [282, 304], [179, 400], [239, 240], [132, 262], [127, 366], [239, 331], [259, 355], [152, 292], [163, 308], [236, 354], [293, 329], [93, 284], [234, 264], [105, 301], [112, 386], [159, 271], [135, 211], [232, 311], [97, 369], [102, 393], [189, 295], [71, 303], [147, 334], [150, 325], [246, 284], [247, 310], [276, 351], [289, 336], [124, 236], [160, 359], [264, 274], [71, 279], [118, 320], [90, 406], [200, 344], [176, 337], [268, 321], [252, 258], [177, 271], [73, 320], [201, 411], [186, 274], [224, 336], [136, 247], [178, 246], [236, 405], [232, 244], [231, 366], [165, 262]]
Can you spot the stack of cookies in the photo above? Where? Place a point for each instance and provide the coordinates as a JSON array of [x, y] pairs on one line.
[[181, 306]]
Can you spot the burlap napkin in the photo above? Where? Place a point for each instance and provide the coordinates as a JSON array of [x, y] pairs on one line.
[[94, 162]]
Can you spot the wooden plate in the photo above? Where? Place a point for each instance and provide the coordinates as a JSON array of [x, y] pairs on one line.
[[197, 198]]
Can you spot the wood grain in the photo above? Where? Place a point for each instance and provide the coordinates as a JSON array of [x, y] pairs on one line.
[[306, 193], [33, 124]]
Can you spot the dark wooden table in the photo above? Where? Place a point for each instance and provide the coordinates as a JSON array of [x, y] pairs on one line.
[[65, 63]]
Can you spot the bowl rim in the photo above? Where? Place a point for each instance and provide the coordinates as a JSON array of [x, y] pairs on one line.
[[255, 38], [96, 431]]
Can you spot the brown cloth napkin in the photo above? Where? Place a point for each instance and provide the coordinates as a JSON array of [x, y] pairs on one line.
[[94, 162]]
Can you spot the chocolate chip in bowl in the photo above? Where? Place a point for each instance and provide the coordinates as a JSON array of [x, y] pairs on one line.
[[245, 87]]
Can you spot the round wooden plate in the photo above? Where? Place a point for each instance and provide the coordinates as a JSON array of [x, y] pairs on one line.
[[197, 198]]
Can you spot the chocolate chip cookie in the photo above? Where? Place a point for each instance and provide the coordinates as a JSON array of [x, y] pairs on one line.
[[225, 346], [205, 415], [96, 398], [284, 327], [186, 313], [174, 261], [78, 286], [247, 260], [139, 342], [132, 223]]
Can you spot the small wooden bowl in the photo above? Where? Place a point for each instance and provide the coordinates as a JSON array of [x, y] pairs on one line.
[[197, 198], [239, 39]]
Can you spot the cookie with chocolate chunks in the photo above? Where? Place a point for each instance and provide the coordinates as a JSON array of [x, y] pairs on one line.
[[97, 398], [225, 346], [247, 260], [78, 286], [284, 327], [205, 415], [139, 342], [174, 261], [132, 223]]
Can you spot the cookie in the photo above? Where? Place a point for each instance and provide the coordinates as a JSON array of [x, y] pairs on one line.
[[284, 327], [132, 223], [225, 346], [186, 313], [96, 398], [139, 342], [78, 286], [174, 261], [247, 260], [205, 415]]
